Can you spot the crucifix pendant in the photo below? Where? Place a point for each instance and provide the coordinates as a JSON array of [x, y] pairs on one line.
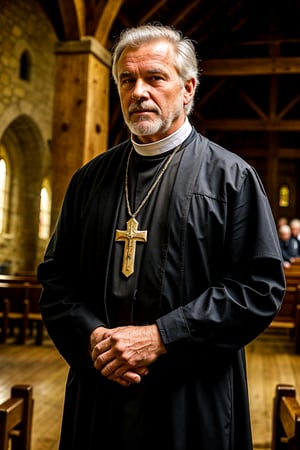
[[130, 236]]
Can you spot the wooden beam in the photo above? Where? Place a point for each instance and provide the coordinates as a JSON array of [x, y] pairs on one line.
[[251, 66], [288, 107], [181, 14], [109, 13], [289, 153], [80, 110], [206, 97], [151, 11], [73, 18], [251, 125], [85, 45], [253, 105]]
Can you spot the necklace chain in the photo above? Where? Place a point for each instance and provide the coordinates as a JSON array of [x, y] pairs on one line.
[[153, 186]]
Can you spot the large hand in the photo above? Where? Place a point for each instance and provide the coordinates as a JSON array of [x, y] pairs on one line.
[[124, 353]]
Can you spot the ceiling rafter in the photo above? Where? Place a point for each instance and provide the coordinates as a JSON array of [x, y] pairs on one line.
[[240, 51], [251, 66], [288, 107], [253, 105], [184, 11], [73, 18], [152, 11], [109, 13], [251, 124]]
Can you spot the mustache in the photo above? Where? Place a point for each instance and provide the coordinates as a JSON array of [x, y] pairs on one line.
[[143, 106]]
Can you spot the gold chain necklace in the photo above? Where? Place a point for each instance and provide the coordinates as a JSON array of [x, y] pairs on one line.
[[132, 235]]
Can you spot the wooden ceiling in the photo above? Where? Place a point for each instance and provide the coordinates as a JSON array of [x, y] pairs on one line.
[[249, 52]]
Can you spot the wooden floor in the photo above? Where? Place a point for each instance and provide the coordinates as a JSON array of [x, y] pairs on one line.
[[270, 360], [45, 370]]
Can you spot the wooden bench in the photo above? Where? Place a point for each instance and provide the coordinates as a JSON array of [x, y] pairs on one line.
[[286, 419], [18, 279], [295, 262], [288, 316], [19, 303], [35, 322], [16, 419], [17, 316], [292, 277], [4, 308]]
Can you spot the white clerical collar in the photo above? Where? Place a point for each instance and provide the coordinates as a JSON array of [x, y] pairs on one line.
[[165, 144]]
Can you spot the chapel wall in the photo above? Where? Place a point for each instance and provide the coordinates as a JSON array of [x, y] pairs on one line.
[[25, 124]]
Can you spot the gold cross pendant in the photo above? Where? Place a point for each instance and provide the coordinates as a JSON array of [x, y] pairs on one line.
[[130, 236]]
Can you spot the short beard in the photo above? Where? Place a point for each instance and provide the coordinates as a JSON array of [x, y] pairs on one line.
[[148, 128]]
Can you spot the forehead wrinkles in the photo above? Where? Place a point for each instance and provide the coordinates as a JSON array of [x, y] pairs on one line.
[[150, 57]]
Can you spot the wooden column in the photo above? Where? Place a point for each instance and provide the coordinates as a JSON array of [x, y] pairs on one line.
[[272, 172], [80, 111], [274, 139]]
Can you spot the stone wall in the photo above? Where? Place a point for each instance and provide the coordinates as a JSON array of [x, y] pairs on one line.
[[26, 104]]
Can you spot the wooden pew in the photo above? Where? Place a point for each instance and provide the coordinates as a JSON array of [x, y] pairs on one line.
[[21, 310], [292, 276], [28, 273], [18, 278], [296, 262], [19, 304], [16, 419], [4, 309], [288, 316], [286, 419], [18, 307], [35, 322]]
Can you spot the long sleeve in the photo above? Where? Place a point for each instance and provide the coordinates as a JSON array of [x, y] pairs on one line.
[[246, 280]]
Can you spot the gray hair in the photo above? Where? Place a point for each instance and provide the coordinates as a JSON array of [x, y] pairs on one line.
[[185, 62]]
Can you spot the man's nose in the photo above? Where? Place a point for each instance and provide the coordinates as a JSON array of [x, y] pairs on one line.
[[140, 90]]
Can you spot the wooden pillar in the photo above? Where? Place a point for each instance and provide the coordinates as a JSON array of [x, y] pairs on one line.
[[274, 140], [80, 111], [272, 172]]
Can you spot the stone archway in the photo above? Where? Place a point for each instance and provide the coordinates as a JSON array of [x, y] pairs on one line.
[[26, 150]]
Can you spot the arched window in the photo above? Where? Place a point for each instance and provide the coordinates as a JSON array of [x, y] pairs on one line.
[[284, 196], [25, 66], [45, 211], [4, 194]]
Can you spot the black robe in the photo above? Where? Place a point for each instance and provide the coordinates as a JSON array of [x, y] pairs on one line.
[[210, 276]]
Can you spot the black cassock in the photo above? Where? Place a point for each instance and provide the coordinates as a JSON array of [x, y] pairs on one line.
[[210, 275]]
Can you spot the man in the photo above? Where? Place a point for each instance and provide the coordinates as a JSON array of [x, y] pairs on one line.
[[164, 264], [295, 230], [288, 244]]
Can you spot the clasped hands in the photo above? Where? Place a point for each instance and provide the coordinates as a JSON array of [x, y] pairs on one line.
[[123, 354]]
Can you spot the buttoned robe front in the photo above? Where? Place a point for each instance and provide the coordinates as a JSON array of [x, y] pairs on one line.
[[210, 275]]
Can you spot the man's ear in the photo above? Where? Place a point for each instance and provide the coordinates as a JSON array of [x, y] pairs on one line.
[[189, 90]]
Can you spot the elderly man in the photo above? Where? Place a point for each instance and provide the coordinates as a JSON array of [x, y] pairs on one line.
[[164, 264]]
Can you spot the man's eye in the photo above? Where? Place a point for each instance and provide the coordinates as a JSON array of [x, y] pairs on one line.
[[154, 79], [126, 81]]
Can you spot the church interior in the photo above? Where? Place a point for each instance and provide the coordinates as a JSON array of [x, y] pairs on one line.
[[59, 108]]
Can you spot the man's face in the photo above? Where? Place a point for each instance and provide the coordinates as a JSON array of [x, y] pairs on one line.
[[285, 235], [151, 92], [295, 230]]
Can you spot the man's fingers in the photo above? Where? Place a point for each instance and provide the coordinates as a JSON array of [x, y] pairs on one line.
[[100, 353], [126, 379], [142, 370], [111, 368], [100, 362]]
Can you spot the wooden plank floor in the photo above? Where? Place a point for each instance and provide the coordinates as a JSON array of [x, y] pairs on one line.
[[45, 370], [270, 360]]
